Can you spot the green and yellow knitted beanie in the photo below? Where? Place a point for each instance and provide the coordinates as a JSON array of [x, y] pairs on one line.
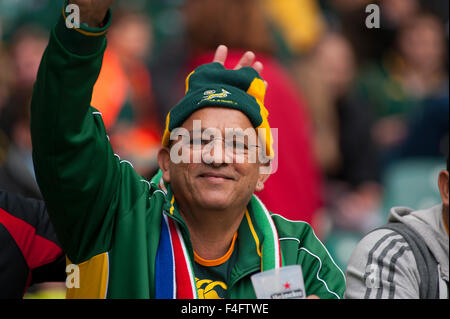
[[213, 85]]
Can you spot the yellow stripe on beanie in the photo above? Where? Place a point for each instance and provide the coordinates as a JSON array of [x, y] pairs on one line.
[[257, 89]]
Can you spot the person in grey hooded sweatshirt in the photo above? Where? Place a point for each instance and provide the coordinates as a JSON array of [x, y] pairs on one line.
[[387, 265]]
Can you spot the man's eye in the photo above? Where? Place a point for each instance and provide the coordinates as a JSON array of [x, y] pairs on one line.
[[200, 141], [205, 141], [240, 146]]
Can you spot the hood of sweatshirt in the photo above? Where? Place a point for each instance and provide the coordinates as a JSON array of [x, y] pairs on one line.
[[429, 224]]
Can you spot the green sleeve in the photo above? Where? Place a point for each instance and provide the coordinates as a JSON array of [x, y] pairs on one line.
[[322, 276], [85, 185]]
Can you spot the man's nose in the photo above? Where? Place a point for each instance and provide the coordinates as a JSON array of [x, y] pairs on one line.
[[216, 154]]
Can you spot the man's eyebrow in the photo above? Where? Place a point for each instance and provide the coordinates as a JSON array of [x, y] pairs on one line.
[[191, 133], [237, 132]]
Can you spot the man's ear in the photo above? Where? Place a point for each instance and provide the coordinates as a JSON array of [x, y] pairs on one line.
[[443, 186], [164, 163], [264, 173]]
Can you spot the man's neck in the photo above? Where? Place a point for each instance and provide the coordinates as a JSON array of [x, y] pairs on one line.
[[212, 232]]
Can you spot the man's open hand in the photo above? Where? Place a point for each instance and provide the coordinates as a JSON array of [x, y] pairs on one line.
[[92, 12], [247, 59]]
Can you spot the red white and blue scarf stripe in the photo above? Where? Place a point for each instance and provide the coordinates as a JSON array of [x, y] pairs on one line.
[[174, 272]]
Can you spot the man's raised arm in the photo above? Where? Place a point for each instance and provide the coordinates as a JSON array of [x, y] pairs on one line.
[[76, 169]]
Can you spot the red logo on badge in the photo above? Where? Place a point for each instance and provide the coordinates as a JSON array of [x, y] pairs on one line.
[[287, 285]]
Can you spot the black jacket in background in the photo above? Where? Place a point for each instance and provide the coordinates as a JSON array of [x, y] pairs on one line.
[[29, 250]]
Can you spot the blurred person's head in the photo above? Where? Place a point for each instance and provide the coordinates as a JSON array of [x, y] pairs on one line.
[[398, 12], [15, 119], [131, 35], [28, 44], [334, 62], [421, 42], [6, 76], [239, 24]]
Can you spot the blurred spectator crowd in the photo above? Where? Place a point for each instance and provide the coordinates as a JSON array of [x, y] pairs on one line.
[[362, 113]]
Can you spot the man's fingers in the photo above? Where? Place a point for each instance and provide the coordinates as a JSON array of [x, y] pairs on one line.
[[221, 54], [246, 60], [258, 66]]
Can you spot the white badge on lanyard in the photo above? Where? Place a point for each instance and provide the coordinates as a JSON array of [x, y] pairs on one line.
[[282, 283]]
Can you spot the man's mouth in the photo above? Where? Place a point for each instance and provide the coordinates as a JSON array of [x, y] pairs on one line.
[[215, 177]]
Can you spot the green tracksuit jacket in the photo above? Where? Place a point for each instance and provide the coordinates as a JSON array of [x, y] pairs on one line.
[[106, 216]]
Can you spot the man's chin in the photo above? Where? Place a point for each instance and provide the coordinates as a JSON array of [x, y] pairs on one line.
[[217, 206], [212, 202]]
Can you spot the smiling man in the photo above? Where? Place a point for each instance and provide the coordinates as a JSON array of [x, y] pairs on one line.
[[196, 230]]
